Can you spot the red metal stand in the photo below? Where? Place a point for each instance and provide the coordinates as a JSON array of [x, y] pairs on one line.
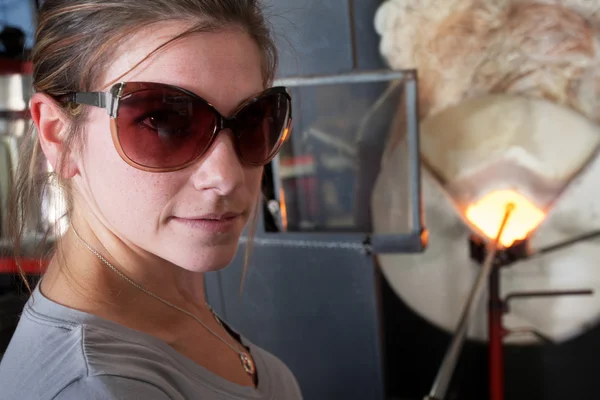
[[496, 334], [498, 306]]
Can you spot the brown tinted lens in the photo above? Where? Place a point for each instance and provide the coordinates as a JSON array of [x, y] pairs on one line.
[[260, 126], [163, 127]]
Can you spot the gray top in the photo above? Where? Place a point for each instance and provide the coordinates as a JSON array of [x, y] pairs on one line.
[[61, 353]]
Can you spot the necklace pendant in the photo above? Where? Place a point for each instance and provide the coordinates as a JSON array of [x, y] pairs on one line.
[[247, 363]]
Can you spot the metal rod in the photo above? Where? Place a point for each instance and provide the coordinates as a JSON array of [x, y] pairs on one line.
[[411, 91], [332, 140], [347, 77], [558, 246], [442, 380], [547, 293]]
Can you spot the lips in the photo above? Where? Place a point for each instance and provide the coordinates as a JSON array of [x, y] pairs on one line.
[[213, 223], [215, 216]]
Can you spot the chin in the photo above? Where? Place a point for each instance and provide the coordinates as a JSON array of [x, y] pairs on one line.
[[205, 259]]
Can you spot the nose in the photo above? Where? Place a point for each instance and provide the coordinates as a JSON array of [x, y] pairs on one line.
[[220, 170]]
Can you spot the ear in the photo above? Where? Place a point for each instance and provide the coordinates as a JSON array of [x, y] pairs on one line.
[[52, 125]]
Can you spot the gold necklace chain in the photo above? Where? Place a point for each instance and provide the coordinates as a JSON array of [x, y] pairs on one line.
[[245, 358]]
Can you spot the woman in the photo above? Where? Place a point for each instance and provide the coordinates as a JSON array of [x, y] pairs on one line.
[[133, 109]]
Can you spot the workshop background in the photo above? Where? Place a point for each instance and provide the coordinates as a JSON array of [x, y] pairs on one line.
[[324, 290]]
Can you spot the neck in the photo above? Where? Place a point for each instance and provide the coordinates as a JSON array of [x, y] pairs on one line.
[[78, 278]]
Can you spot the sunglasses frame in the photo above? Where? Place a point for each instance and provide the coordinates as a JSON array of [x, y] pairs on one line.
[[110, 102]]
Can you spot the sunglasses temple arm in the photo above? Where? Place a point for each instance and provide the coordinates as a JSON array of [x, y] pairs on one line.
[[105, 100]]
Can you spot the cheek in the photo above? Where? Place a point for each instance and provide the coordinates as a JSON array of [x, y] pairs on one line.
[[127, 199]]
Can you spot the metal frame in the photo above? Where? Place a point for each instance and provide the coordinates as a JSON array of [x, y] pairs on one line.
[[416, 240], [348, 77]]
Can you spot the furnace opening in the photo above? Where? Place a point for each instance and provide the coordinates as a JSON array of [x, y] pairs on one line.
[[486, 215]]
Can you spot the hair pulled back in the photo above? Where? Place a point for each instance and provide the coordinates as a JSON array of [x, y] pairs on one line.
[[74, 42]]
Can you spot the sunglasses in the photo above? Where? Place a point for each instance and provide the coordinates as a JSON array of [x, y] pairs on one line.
[[161, 128]]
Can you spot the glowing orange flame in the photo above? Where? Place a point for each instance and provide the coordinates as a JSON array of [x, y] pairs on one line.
[[488, 212]]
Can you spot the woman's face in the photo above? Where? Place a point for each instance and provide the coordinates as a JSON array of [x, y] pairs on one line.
[[192, 217]]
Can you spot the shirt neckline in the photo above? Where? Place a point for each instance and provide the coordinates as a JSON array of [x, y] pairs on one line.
[[40, 304]]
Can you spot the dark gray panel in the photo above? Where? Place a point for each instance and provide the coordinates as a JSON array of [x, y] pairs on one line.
[[366, 40], [214, 292], [315, 308], [313, 36]]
